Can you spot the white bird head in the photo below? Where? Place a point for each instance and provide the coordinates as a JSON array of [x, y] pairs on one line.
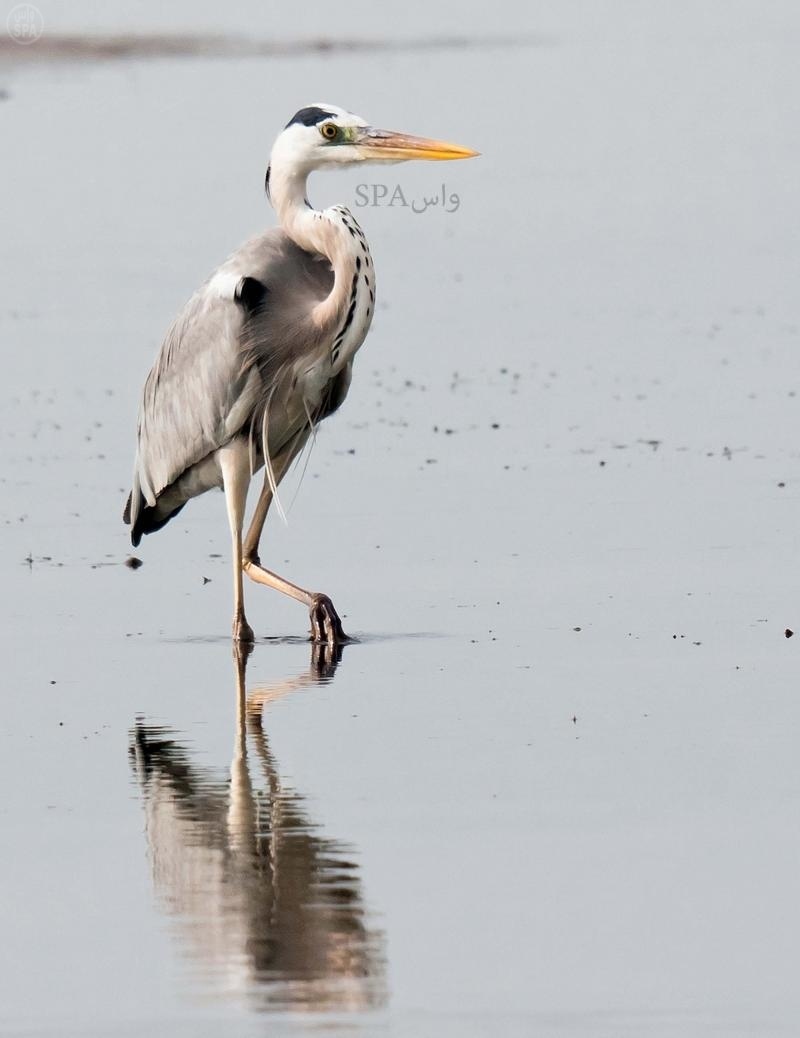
[[325, 135]]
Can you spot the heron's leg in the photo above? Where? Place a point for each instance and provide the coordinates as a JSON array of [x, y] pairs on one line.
[[326, 627], [234, 461], [253, 538]]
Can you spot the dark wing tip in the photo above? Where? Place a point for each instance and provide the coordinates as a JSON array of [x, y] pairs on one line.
[[151, 519], [136, 530]]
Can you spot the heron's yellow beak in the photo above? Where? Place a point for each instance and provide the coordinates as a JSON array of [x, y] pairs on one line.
[[388, 146]]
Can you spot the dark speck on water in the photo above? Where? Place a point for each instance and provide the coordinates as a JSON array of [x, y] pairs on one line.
[[133, 563]]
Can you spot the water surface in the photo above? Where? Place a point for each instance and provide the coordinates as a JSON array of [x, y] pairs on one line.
[[554, 787]]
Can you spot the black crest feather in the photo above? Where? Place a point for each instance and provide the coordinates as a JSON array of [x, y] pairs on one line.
[[310, 117]]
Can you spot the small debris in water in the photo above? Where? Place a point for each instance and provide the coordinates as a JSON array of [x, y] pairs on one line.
[[781, 485], [788, 633], [576, 628], [133, 563], [206, 580]]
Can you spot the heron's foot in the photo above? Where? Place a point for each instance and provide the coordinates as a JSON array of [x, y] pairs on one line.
[[326, 627], [242, 631]]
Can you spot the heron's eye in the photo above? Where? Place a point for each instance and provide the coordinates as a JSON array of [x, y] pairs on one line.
[[328, 131]]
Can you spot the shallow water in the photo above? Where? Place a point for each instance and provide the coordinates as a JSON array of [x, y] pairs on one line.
[[553, 788]]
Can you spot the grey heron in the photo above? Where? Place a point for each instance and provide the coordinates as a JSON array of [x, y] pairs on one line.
[[264, 350]]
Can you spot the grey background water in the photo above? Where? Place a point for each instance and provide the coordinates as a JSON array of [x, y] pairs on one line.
[[555, 788]]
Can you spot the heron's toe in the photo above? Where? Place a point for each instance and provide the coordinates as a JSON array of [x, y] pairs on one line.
[[326, 627]]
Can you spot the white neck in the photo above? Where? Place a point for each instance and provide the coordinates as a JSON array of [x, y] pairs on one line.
[[287, 192], [321, 232]]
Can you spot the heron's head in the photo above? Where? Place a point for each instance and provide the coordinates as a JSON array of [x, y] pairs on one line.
[[325, 135]]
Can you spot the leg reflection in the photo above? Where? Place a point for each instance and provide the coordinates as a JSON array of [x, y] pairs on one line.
[[264, 905]]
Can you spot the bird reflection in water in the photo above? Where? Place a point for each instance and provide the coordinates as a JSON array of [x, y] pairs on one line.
[[265, 906]]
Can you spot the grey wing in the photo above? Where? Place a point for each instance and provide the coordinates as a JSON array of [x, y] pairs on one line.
[[196, 398], [208, 380]]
